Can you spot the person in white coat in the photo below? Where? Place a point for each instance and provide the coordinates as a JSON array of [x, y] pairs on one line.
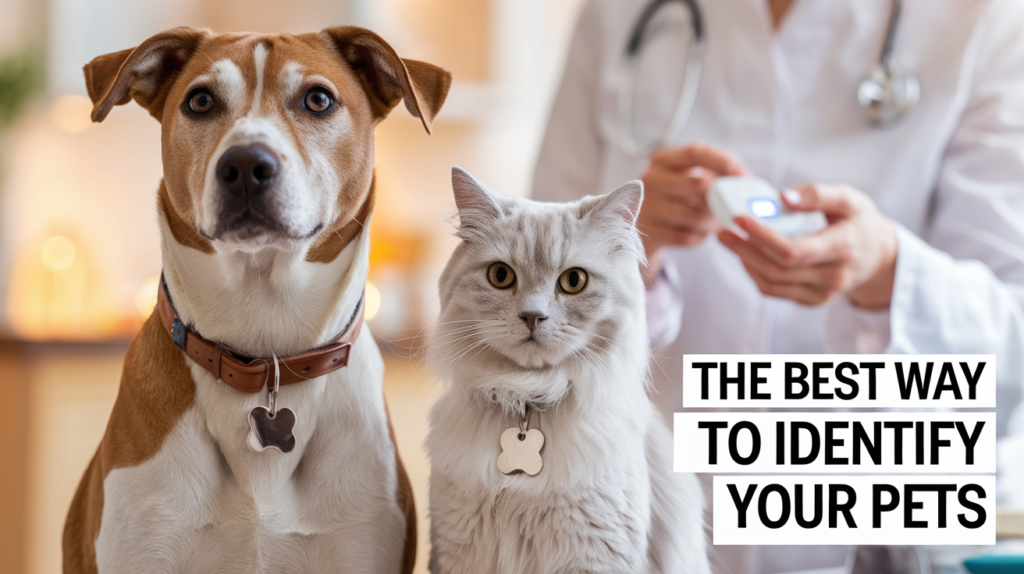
[[924, 252]]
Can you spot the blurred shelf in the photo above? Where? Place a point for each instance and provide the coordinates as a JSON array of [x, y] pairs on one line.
[[1009, 523]]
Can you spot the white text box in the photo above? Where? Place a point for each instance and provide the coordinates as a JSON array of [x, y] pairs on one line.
[[855, 510], [839, 381], [847, 442]]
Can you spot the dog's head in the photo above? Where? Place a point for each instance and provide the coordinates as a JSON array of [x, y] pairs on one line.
[[267, 139]]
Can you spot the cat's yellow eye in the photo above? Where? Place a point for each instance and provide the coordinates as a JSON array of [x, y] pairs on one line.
[[573, 280], [501, 275]]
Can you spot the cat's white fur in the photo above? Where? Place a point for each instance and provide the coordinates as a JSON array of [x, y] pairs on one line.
[[606, 499]]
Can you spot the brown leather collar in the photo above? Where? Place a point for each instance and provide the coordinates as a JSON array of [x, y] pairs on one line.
[[250, 374]]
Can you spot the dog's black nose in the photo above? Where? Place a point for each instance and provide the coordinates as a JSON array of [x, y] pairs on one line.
[[247, 170]]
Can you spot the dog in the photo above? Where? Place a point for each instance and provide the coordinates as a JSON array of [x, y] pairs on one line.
[[250, 432]]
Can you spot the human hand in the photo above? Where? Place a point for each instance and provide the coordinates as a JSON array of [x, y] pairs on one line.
[[855, 254], [675, 209]]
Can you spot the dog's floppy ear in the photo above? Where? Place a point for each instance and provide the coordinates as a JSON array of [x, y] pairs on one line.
[[144, 73], [388, 78]]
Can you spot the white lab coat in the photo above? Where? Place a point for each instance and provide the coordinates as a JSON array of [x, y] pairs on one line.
[[950, 174]]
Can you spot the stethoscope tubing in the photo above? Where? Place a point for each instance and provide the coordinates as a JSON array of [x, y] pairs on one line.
[[636, 38], [630, 70], [900, 93]]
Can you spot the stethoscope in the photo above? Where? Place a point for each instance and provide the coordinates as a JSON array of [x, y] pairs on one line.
[[884, 93]]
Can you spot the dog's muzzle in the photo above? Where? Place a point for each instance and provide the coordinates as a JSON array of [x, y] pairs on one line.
[[248, 180]]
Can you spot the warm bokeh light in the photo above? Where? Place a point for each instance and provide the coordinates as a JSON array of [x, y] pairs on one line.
[[58, 253], [71, 113], [372, 303], [57, 292], [145, 299]]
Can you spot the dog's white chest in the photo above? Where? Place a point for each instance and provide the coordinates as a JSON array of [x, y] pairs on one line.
[[207, 503]]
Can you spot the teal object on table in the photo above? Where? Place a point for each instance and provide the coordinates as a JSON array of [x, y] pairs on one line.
[[996, 564]]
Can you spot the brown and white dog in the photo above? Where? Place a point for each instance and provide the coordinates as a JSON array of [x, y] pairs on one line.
[[263, 212]]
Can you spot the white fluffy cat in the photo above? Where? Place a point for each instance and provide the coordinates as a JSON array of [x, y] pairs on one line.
[[542, 307]]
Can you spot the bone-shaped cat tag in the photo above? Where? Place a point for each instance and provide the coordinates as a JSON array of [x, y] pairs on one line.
[[520, 451]]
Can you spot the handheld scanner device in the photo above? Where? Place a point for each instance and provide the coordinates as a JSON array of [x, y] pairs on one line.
[[731, 197]]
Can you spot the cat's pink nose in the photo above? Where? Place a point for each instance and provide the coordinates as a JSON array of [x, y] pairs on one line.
[[532, 318]]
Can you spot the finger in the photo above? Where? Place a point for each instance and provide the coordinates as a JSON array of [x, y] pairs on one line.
[[700, 155], [702, 226], [654, 237], [661, 235], [668, 222], [690, 186], [833, 200], [827, 246], [671, 207], [828, 277], [799, 293], [689, 238], [682, 215], [773, 245]]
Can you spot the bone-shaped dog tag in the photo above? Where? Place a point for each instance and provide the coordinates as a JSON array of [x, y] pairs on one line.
[[520, 451], [271, 431]]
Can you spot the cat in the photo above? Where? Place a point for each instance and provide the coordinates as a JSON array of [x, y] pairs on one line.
[[542, 313]]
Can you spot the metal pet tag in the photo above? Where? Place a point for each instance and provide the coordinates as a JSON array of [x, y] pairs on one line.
[[271, 430], [520, 448], [521, 454], [270, 427]]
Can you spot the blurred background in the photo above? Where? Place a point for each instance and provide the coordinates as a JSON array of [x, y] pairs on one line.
[[79, 245]]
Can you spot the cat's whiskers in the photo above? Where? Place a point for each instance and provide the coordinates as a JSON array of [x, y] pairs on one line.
[[470, 329], [446, 350], [599, 354], [447, 370], [414, 337], [439, 342], [444, 334], [437, 326], [595, 335], [419, 351], [477, 343], [455, 335], [596, 357], [480, 350], [419, 333], [578, 357], [469, 321], [451, 344]]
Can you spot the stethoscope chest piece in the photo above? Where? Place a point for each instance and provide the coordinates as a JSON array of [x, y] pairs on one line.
[[886, 95]]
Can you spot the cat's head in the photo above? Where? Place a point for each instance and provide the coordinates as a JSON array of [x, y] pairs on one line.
[[540, 286]]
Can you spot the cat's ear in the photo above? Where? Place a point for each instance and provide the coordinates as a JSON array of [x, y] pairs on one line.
[[475, 202], [623, 204], [614, 215]]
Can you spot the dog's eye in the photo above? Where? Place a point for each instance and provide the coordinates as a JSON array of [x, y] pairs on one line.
[[317, 101], [200, 102], [501, 275], [573, 280]]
